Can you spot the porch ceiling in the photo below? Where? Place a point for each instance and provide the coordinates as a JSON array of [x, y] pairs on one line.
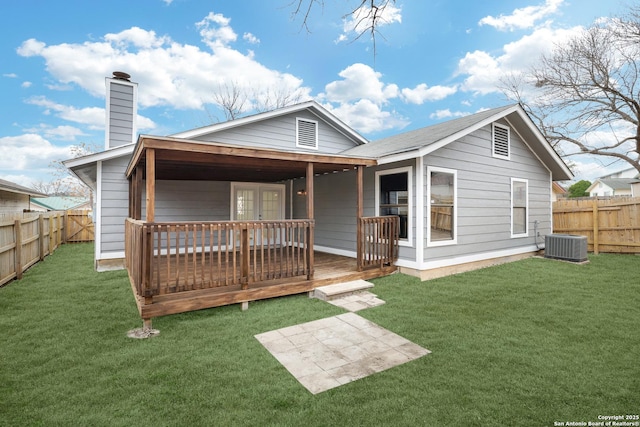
[[180, 159]]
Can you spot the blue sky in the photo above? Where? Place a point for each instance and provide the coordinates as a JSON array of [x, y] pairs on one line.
[[435, 60]]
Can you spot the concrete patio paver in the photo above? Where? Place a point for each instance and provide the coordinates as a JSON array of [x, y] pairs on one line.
[[330, 352]]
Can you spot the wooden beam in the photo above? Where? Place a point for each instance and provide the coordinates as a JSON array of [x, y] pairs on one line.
[[173, 146], [151, 184]]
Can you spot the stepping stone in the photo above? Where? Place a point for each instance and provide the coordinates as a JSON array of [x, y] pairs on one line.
[[339, 290]]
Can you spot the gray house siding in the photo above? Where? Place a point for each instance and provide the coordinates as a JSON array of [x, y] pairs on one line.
[[114, 205], [121, 114], [11, 203], [191, 201], [280, 133], [484, 195]]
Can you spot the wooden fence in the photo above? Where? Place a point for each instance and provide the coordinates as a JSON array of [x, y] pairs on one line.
[[26, 239], [610, 224]]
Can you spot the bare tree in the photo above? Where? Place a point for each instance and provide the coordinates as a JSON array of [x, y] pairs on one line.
[[232, 99], [65, 184], [274, 98], [367, 16], [236, 100], [584, 96]]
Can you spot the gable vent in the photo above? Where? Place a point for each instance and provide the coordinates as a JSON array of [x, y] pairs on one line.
[[306, 133], [500, 141]]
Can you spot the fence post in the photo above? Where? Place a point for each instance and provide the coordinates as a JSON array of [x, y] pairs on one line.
[[41, 235], [596, 223], [65, 223], [52, 237], [18, 255]]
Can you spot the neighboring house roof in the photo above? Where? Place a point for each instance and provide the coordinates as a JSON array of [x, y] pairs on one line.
[[312, 106], [558, 189], [615, 184], [59, 203], [624, 173], [426, 140], [12, 187]]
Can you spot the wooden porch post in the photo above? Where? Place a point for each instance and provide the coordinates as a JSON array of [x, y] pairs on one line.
[[151, 184], [359, 215], [310, 215], [132, 195], [137, 202]]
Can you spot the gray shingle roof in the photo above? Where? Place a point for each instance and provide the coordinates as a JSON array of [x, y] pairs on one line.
[[619, 183], [12, 187], [416, 139]]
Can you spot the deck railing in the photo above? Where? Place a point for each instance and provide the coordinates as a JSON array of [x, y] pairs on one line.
[[378, 241], [170, 257]]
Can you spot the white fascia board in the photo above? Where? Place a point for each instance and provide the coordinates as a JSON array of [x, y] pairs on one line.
[[113, 153], [544, 142]]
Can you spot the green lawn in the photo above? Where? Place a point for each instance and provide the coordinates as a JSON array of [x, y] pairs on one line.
[[529, 343]]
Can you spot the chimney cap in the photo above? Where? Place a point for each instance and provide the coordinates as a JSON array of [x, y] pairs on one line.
[[121, 75]]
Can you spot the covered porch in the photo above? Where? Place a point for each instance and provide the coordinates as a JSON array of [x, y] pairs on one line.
[[180, 266]]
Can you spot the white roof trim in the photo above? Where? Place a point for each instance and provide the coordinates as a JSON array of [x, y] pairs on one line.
[[315, 108], [123, 150]]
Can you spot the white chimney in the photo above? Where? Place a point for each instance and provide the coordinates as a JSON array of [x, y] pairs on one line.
[[122, 110]]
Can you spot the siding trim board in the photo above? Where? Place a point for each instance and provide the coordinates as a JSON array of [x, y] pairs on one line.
[[453, 261], [98, 214]]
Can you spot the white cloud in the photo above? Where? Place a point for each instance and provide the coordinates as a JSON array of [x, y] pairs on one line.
[[216, 31], [170, 74], [29, 151], [26, 84], [360, 81], [367, 117], [484, 70], [248, 37], [64, 133], [525, 17], [447, 114], [93, 117], [136, 37], [422, 93], [10, 75], [362, 19]]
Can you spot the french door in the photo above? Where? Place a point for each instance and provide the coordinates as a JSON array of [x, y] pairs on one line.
[[258, 202]]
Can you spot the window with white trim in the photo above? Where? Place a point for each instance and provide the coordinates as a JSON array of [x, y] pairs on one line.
[[394, 195], [519, 207], [442, 206], [306, 133], [501, 141]]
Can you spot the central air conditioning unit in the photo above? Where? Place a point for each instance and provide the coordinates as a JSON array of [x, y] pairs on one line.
[[567, 247]]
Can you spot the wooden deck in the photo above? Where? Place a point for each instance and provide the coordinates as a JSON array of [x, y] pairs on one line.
[[329, 269]]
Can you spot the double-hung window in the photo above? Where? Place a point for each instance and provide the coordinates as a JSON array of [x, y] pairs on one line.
[[442, 212], [519, 207]]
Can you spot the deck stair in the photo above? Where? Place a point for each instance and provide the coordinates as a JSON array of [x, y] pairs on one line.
[[352, 296]]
